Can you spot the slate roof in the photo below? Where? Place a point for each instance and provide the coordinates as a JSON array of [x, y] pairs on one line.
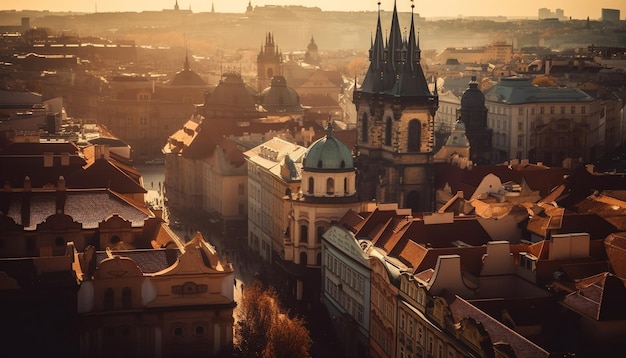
[[88, 207], [600, 297], [148, 260], [102, 173], [497, 331], [518, 90]]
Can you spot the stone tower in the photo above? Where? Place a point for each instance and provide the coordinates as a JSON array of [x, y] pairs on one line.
[[268, 63], [473, 114], [395, 123]]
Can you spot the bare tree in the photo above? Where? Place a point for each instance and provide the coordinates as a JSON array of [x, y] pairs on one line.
[[264, 331]]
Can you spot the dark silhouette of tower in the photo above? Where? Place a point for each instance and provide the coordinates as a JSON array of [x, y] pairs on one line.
[[473, 114], [395, 122], [268, 63]]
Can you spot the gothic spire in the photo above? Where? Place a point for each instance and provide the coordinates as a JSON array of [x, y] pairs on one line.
[[395, 43]]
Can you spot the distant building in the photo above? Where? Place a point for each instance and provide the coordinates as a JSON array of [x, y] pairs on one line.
[[496, 53], [611, 15], [312, 56], [144, 113], [269, 62]]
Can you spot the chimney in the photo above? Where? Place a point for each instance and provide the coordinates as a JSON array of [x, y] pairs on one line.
[[26, 195], [61, 195]]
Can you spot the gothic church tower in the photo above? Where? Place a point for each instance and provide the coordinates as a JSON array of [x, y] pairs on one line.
[[395, 123], [268, 63]]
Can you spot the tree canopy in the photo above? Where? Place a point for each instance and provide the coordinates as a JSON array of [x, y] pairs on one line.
[[264, 330]]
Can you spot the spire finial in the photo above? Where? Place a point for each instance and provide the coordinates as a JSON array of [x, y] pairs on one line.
[[329, 128]]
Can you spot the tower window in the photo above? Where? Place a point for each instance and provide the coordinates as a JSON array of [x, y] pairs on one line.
[[364, 128], [388, 124], [311, 185], [415, 134]]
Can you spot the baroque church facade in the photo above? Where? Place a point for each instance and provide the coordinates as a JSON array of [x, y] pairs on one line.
[[395, 122]]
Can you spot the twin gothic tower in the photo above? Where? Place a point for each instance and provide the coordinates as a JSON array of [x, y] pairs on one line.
[[395, 123]]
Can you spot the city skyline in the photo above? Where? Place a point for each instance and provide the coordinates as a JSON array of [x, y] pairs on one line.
[[441, 8]]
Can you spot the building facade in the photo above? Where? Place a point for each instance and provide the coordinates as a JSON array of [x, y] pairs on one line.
[[544, 124]]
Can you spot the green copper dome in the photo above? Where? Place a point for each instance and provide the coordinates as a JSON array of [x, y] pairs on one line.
[[328, 153]]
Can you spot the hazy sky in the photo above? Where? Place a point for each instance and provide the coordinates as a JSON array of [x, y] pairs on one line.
[[577, 9]]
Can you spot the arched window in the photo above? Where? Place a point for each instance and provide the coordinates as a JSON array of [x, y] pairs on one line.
[[388, 125], [303, 258], [330, 186], [59, 241], [304, 233], [345, 185], [364, 128], [319, 234], [415, 135], [318, 259], [109, 299], [270, 72], [127, 298], [311, 185]]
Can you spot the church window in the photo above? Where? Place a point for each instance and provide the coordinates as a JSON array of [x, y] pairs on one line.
[[115, 239], [270, 72], [318, 259], [364, 128], [345, 185], [388, 124], [303, 258], [415, 134], [330, 186], [320, 163], [311, 185]]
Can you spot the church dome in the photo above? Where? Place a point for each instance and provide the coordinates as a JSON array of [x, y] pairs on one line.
[[328, 154], [187, 77], [232, 91], [279, 97], [473, 98]]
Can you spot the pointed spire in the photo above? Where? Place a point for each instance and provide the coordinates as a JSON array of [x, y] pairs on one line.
[[411, 43], [186, 68], [378, 45], [394, 45]]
